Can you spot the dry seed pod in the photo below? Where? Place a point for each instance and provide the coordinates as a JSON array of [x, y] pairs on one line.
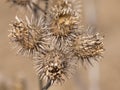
[[30, 37], [64, 23], [87, 47], [68, 4], [54, 66]]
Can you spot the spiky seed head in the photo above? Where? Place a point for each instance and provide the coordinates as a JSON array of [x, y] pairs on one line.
[[54, 66], [64, 23], [87, 47], [68, 5], [28, 36]]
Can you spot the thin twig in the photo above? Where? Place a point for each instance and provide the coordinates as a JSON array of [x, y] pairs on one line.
[[47, 85], [46, 8], [35, 9], [40, 84]]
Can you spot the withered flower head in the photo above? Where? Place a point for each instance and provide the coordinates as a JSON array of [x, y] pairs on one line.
[[64, 22], [29, 36], [54, 66], [87, 47], [67, 5]]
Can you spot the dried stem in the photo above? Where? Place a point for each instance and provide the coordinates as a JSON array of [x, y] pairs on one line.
[[40, 84], [47, 85], [35, 8], [46, 8]]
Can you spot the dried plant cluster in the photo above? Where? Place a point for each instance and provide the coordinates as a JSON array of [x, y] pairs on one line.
[[56, 40]]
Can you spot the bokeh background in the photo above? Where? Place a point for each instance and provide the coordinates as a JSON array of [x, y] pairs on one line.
[[105, 75]]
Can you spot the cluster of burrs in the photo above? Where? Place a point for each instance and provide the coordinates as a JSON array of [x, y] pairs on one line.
[[57, 40]]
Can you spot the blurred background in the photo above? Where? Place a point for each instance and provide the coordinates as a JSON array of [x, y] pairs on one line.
[[17, 71]]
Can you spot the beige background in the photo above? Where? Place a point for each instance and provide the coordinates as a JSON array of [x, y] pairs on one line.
[[108, 16]]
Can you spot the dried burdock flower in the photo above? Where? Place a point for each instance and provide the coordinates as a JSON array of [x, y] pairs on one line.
[[64, 23], [29, 36], [54, 66], [87, 47], [67, 5]]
